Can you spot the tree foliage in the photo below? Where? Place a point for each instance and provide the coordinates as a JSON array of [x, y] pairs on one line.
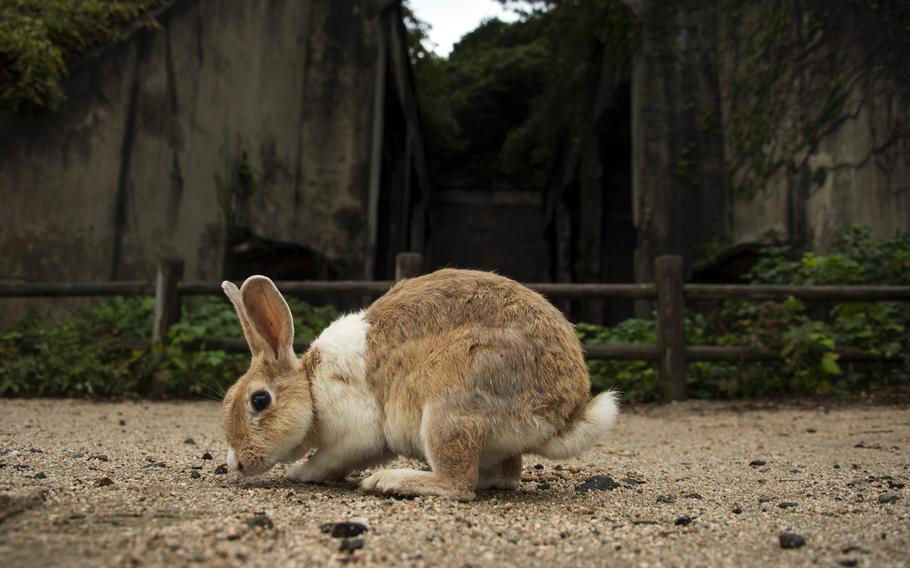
[[498, 109], [40, 39]]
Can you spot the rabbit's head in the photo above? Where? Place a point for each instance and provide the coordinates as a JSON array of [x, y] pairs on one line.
[[268, 412]]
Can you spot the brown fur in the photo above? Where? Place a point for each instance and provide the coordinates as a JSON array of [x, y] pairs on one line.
[[472, 351]]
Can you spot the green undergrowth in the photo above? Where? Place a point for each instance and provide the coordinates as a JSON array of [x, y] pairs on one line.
[[41, 39], [105, 351], [805, 335]]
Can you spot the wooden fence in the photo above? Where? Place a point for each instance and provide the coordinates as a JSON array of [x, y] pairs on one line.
[[668, 291]]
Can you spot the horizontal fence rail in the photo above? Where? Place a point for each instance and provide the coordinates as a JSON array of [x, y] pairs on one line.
[[669, 292]]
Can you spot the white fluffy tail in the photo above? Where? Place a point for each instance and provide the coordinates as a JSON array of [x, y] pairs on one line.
[[588, 429]]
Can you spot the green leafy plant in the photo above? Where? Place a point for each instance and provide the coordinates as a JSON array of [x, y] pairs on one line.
[[105, 351], [807, 337], [40, 39]]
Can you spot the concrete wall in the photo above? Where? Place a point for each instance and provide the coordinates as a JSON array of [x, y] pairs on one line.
[[143, 158], [686, 196], [236, 115]]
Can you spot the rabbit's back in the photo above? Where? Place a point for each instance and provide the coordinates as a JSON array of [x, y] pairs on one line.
[[475, 340]]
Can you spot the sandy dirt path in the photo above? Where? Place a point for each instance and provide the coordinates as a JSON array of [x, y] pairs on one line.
[[119, 484]]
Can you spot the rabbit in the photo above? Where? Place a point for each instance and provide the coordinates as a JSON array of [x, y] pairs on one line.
[[467, 370]]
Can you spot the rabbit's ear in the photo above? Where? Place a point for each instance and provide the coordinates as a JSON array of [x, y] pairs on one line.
[[252, 337], [269, 318]]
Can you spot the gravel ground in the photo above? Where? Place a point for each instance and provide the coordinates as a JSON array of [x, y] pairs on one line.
[[85, 483]]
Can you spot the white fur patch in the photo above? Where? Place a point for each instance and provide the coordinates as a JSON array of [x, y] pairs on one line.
[[598, 417], [349, 425], [343, 345]]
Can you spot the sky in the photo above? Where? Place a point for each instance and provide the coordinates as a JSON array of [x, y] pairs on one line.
[[451, 19]]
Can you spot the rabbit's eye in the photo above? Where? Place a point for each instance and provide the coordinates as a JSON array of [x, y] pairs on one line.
[[260, 400]]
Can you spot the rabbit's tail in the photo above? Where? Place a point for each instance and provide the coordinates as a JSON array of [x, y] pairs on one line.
[[586, 430]]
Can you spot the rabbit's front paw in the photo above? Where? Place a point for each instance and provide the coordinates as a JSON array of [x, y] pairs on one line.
[[305, 473]]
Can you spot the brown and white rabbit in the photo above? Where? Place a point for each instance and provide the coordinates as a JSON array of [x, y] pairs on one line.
[[468, 370]]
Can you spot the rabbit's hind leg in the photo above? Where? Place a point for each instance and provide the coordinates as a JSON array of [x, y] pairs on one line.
[[505, 474], [452, 444]]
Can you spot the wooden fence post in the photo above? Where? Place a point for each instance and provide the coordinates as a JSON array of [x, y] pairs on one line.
[[408, 265], [671, 331], [167, 298]]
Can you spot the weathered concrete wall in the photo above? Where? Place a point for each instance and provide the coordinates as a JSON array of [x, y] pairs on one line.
[[234, 114], [694, 101]]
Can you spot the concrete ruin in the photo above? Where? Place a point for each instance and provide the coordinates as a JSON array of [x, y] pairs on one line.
[[240, 136]]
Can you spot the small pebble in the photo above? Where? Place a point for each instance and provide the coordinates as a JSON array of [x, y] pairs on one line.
[[103, 482], [195, 474], [666, 499], [683, 521], [791, 540], [538, 466], [343, 529], [765, 499], [895, 485], [122, 422], [633, 481], [737, 510], [811, 430], [190, 441], [40, 475], [757, 463], [848, 562], [597, 483], [885, 498], [77, 455], [36, 450], [221, 469], [693, 496], [99, 457], [207, 456], [787, 505]]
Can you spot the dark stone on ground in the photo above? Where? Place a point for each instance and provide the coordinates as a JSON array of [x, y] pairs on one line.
[[99, 457], [787, 504], [103, 482], [221, 469], [887, 498], [36, 450], [694, 496], [77, 455], [349, 545], [895, 485], [765, 499], [644, 522], [190, 441], [597, 483], [207, 456], [538, 466], [737, 510], [343, 529], [155, 464], [40, 475], [848, 562], [666, 499], [683, 521], [259, 520], [791, 540], [757, 463], [633, 481], [195, 474], [811, 430], [122, 422]]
